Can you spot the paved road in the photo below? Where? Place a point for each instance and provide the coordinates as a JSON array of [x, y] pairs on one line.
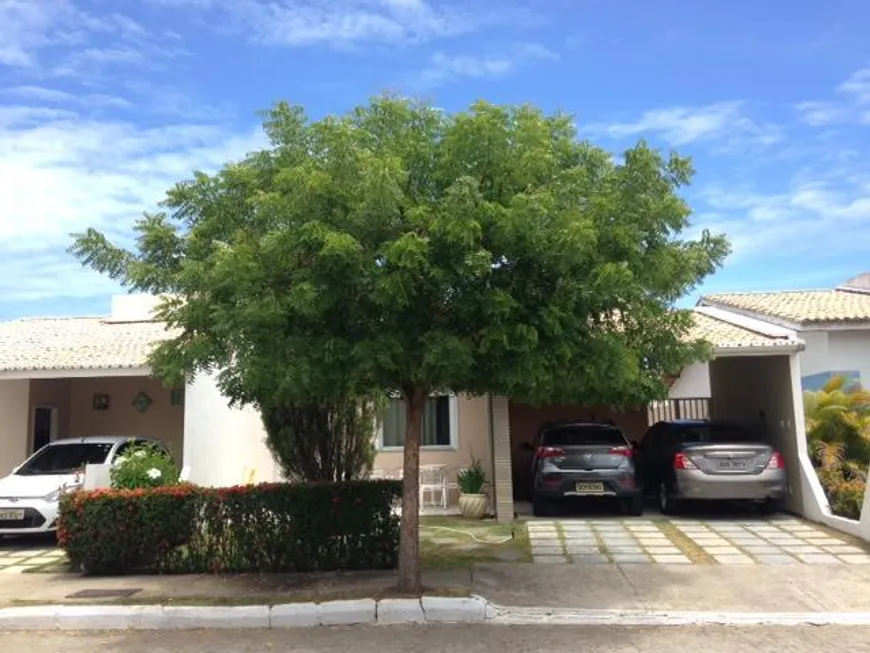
[[469, 639]]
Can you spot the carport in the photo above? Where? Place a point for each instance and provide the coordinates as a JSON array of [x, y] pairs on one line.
[[753, 378]]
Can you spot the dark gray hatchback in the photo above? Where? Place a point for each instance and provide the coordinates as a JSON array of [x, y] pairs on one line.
[[583, 459]]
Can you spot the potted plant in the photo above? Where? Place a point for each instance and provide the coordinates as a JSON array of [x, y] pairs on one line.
[[473, 502]]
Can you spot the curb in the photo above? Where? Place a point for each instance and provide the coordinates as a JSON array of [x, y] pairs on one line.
[[520, 616], [429, 609], [387, 612]]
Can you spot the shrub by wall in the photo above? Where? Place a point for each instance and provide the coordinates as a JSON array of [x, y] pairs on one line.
[[276, 527], [144, 466]]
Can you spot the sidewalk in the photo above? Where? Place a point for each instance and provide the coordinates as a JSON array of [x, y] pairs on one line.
[[205, 589], [736, 588], [795, 588]]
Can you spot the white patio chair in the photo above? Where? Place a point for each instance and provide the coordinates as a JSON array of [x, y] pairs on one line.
[[433, 479]]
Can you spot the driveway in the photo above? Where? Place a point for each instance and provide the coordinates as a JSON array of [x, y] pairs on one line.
[[28, 554], [742, 541]]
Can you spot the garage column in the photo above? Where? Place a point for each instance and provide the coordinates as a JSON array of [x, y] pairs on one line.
[[501, 453]]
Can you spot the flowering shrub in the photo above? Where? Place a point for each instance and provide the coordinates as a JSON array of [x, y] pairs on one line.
[[143, 467], [251, 528]]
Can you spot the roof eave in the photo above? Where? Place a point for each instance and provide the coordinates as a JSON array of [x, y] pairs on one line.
[[758, 350], [839, 325], [73, 373]]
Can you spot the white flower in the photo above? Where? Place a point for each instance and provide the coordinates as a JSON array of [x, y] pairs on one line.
[[154, 473], [139, 454]]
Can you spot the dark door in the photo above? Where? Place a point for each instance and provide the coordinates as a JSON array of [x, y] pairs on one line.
[[41, 427]]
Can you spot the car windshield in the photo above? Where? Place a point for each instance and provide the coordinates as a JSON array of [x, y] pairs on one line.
[[65, 458], [581, 436], [717, 434]]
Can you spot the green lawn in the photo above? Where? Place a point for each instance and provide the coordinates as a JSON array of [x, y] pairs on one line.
[[458, 542]]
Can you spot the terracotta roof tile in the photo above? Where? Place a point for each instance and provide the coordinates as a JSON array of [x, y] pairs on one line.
[[802, 307], [45, 344], [76, 343], [724, 335]]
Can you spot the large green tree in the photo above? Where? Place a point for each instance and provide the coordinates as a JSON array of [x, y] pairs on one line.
[[405, 249]]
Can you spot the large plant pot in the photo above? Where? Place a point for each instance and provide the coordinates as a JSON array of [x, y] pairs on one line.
[[473, 506]]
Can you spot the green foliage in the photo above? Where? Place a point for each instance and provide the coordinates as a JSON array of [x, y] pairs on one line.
[[327, 441], [143, 467], [400, 248], [255, 528], [472, 480], [838, 438]]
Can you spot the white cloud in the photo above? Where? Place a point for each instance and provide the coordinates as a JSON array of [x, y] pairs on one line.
[[851, 104], [343, 23], [62, 172], [58, 38], [812, 218], [724, 122], [443, 68], [55, 96], [29, 26]]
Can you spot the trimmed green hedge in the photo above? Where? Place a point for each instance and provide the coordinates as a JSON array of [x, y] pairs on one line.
[[275, 527]]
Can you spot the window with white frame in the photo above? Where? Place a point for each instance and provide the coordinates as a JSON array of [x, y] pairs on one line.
[[439, 423]]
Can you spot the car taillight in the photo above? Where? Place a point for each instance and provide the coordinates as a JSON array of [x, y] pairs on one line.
[[550, 452], [776, 461], [682, 461], [622, 451]]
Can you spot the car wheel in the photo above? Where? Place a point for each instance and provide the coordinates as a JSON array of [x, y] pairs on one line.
[[667, 504], [634, 506]]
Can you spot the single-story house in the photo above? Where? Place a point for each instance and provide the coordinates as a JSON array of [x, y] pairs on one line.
[[62, 377], [833, 323]]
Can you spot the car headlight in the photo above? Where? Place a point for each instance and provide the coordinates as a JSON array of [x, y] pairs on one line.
[[52, 497]]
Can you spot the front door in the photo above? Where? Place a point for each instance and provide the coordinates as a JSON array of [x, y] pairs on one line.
[[43, 426]]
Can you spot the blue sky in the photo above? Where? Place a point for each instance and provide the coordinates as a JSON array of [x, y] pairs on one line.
[[105, 103]]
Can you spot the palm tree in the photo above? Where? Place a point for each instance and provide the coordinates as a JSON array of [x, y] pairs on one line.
[[838, 438]]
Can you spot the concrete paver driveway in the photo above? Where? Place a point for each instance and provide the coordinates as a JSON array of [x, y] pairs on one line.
[[25, 554], [739, 541]]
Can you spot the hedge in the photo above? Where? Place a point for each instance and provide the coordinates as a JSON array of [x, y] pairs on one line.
[[274, 527]]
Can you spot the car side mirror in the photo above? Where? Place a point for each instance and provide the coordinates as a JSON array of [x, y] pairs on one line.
[[526, 446]]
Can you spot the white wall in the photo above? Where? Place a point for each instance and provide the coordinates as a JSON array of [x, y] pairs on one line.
[[14, 420], [693, 382], [815, 359], [837, 351], [135, 307], [850, 350], [222, 444]]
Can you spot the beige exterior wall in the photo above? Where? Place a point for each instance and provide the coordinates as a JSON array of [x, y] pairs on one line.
[[13, 425], [162, 420], [473, 439], [76, 417]]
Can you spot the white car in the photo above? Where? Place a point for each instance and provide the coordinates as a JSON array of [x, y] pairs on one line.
[[30, 495]]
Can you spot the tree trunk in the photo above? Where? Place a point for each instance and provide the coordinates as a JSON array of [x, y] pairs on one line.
[[410, 581]]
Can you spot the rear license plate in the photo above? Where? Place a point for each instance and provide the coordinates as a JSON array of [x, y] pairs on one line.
[[732, 464], [11, 515], [589, 488]]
